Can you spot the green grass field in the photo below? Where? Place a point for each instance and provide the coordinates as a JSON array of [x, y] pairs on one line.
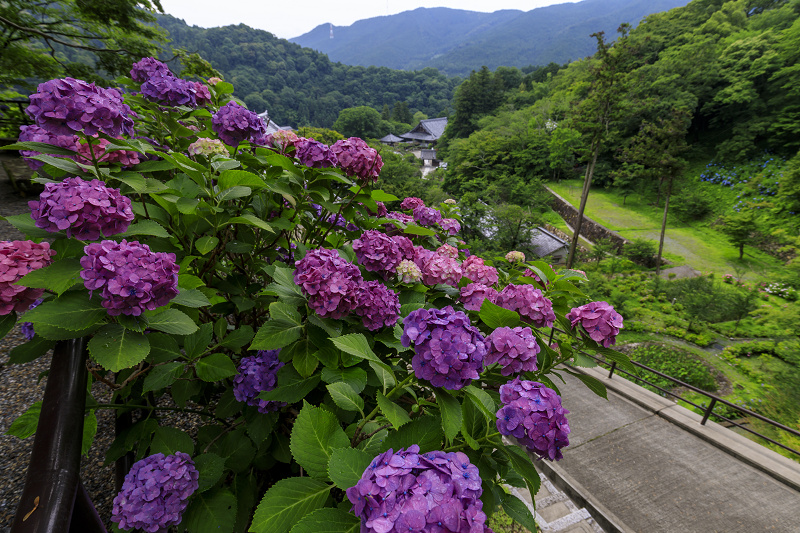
[[694, 244]]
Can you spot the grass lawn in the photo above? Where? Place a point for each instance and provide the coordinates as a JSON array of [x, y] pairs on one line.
[[693, 244]]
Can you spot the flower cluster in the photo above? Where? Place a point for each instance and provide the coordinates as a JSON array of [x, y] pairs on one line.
[[207, 147], [68, 106], [408, 272], [131, 278], [439, 268], [377, 305], [87, 154], [405, 246], [400, 217], [448, 349], [172, 91], [17, 258], [600, 321], [233, 124], [155, 492], [531, 274], [473, 295], [329, 281], [84, 209], [33, 133], [412, 202], [427, 216], [258, 373], [149, 67], [315, 154], [533, 414], [450, 225], [404, 492], [528, 302], [282, 140], [377, 252], [477, 271], [356, 158], [515, 257], [515, 350]]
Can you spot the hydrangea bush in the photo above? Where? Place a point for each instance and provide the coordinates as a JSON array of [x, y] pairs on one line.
[[348, 366]]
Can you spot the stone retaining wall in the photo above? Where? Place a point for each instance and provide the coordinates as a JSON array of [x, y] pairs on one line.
[[590, 229]]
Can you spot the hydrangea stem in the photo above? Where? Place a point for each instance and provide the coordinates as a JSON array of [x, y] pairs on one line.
[[375, 411]]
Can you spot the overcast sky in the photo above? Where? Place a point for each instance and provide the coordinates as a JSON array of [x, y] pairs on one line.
[[286, 18]]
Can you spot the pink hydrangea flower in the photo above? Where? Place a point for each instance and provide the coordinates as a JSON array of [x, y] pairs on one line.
[[450, 225], [448, 251], [514, 349], [477, 271], [377, 252], [356, 158], [18, 258], [441, 269], [600, 321], [410, 203], [378, 306], [473, 295], [330, 282], [528, 302], [125, 158]]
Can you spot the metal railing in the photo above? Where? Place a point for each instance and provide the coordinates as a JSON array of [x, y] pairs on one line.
[[707, 410]]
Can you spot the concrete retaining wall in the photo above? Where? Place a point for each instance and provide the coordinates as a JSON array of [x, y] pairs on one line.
[[590, 229]]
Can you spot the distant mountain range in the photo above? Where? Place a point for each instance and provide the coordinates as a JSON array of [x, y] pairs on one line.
[[457, 41]]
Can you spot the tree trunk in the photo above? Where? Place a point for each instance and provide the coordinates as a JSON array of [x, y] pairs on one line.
[[587, 182], [663, 228], [741, 251]]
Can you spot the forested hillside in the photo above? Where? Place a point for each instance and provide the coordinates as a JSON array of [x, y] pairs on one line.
[[457, 42], [299, 86]]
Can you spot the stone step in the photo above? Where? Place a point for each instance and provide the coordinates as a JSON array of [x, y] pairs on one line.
[[555, 512]]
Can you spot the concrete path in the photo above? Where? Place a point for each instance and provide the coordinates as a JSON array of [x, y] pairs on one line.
[[638, 465]]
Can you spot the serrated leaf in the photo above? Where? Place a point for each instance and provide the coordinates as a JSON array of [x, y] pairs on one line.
[[522, 465], [162, 376], [7, 322], [89, 432], [73, 311], [232, 178], [450, 408], [328, 520], [27, 225], [191, 298], [356, 344], [347, 465], [163, 348], [215, 367], [287, 500], [252, 220], [518, 511], [172, 321], [425, 431], [57, 277], [315, 434], [482, 401], [381, 196], [345, 397], [206, 244], [291, 386], [275, 334], [384, 375], [413, 229], [25, 424], [44, 148], [30, 351], [285, 312], [211, 512], [210, 467], [593, 384], [495, 316], [116, 348], [168, 440], [396, 415], [238, 338], [355, 377], [233, 193]]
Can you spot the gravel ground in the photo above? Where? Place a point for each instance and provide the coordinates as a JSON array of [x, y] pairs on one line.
[[20, 388]]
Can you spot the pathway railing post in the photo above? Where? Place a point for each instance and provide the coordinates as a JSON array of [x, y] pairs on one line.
[[708, 412], [613, 367]]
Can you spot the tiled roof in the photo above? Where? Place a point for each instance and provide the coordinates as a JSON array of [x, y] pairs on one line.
[[427, 130], [391, 138], [545, 243]]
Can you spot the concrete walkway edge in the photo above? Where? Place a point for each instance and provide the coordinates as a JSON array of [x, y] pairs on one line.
[[768, 461]]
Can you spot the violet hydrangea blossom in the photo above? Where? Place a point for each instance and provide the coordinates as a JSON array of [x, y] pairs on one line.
[[314, 154], [378, 306], [427, 216], [68, 106], [356, 158], [533, 414], [377, 252], [234, 123], [27, 327], [412, 202], [130, 277], [258, 373], [400, 217], [528, 302], [448, 350], [18, 258], [514, 349], [172, 91], [599, 320], [329, 281], [405, 246], [473, 295], [87, 154], [475, 270], [34, 133], [155, 492], [451, 226], [407, 491], [83, 209], [149, 67]]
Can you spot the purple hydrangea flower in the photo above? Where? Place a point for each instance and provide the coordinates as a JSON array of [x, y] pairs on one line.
[[533, 414], [400, 217], [18, 258], [515, 350], [33, 133], [435, 492], [377, 252], [531, 274], [258, 373], [69, 106], [410, 203], [315, 154], [202, 95], [129, 276], [451, 226], [441, 269], [600, 321], [234, 124], [172, 91], [356, 158], [83, 209], [427, 216], [381, 209], [473, 295], [528, 302], [155, 492], [448, 349], [149, 67], [125, 158], [329, 281], [405, 246], [408, 272], [27, 327], [378, 306], [477, 271]]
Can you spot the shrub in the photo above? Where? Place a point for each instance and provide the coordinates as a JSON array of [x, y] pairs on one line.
[[673, 362], [641, 252]]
